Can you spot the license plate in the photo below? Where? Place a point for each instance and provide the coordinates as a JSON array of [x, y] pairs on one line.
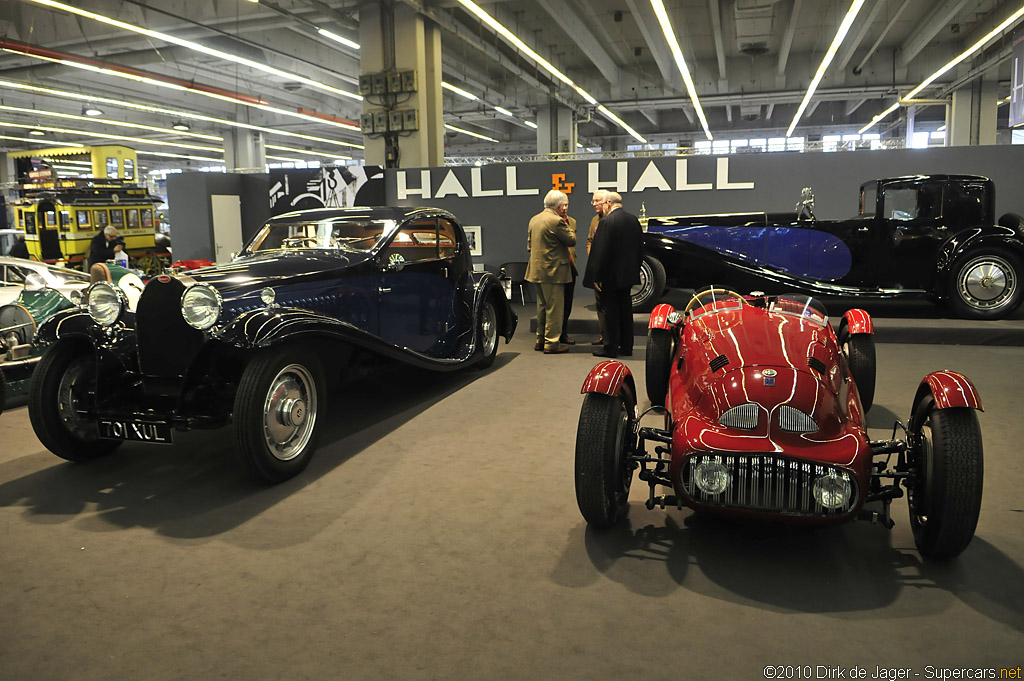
[[138, 431]]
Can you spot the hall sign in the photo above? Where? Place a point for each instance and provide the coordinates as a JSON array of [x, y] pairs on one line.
[[666, 176]]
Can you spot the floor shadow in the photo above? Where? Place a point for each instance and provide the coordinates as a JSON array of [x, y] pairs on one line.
[[846, 569], [196, 488]]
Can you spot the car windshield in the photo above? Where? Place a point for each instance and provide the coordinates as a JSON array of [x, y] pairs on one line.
[[796, 305], [330, 233], [67, 276]]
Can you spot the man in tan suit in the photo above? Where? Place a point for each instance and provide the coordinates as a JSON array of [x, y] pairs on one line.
[[550, 268]]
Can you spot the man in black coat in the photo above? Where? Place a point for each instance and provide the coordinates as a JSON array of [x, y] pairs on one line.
[[104, 245], [612, 270]]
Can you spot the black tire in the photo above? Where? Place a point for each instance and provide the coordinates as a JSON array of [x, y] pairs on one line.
[[860, 355], [604, 440], [1012, 220], [984, 285], [63, 387], [487, 334], [944, 495], [658, 364], [280, 397], [651, 287]]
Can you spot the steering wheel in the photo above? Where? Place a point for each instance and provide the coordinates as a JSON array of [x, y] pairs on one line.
[[701, 295], [293, 241]]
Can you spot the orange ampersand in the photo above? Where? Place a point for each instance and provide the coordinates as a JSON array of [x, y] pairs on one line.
[[558, 182]]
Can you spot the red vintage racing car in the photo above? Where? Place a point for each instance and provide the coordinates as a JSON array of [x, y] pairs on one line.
[[764, 409]]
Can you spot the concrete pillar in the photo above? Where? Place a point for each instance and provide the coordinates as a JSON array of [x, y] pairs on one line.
[[972, 116], [7, 172], [556, 129], [911, 118], [244, 151], [395, 39]]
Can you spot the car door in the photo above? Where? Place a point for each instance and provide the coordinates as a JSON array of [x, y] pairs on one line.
[[912, 230], [417, 293]]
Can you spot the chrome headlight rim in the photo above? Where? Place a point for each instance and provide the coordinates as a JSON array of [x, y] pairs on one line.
[[105, 320], [218, 303]]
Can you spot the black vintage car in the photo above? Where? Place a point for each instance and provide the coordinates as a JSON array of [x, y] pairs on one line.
[[923, 236], [315, 295]]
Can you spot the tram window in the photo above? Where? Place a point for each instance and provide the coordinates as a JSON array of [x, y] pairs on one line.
[[101, 218], [133, 218], [83, 218], [112, 167], [65, 220], [129, 169], [147, 217], [117, 217], [51, 218], [30, 223]]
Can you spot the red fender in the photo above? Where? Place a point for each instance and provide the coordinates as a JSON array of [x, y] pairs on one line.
[[858, 321], [949, 389], [659, 317], [607, 377]]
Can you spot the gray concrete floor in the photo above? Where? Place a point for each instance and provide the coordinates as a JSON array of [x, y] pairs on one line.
[[436, 536]]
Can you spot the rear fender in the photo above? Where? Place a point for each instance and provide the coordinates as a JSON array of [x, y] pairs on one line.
[[946, 389], [487, 287], [608, 378], [659, 317], [857, 321], [994, 238]]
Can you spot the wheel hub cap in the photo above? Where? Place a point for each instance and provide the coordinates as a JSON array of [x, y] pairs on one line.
[[292, 412], [987, 283], [289, 413]]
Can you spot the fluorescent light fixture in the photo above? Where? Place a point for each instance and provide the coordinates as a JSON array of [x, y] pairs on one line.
[[35, 130], [172, 112], [621, 123], [504, 112], [677, 54], [195, 46], [92, 111], [953, 62], [106, 121], [941, 128], [459, 91], [48, 143], [338, 38], [305, 151], [844, 28], [181, 126], [165, 154], [470, 133], [498, 28], [531, 124], [880, 117]]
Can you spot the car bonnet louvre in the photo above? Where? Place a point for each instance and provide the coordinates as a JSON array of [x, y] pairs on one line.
[[817, 365], [718, 362]]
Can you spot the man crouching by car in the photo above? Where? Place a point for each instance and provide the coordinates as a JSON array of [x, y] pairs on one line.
[[105, 246]]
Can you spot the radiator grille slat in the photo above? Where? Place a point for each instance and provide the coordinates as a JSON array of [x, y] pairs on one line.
[[767, 482]]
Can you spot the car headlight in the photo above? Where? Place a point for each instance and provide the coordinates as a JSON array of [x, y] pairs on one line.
[[200, 306], [106, 303], [832, 490], [711, 475]]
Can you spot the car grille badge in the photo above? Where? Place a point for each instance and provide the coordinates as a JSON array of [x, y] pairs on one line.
[[769, 377]]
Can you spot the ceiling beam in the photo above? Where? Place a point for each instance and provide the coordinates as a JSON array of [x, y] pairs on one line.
[[885, 31], [854, 104], [643, 14], [787, 38], [570, 22], [850, 46], [715, 10], [927, 29]]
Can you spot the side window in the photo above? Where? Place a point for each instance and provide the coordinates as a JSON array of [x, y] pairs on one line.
[[15, 275], [867, 201], [117, 217], [447, 242], [83, 218], [965, 204], [899, 203], [65, 220], [413, 242], [101, 218], [929, 201]]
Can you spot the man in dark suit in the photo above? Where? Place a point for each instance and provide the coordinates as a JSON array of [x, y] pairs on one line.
[[613, 268]]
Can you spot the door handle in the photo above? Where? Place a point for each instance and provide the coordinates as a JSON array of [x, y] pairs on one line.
[[381, 290], [862, 229]]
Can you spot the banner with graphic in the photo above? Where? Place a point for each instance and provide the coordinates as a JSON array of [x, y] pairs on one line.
[[325, 187]]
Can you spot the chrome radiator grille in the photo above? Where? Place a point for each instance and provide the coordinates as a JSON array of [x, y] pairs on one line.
[[765, 482]]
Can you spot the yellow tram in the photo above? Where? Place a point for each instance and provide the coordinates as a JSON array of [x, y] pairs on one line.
[[61, 216]]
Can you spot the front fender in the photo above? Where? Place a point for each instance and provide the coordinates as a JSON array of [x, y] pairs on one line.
[[659, 317], [608, 378], [993, 238], [858, 321], [485, 286], [947, 389]]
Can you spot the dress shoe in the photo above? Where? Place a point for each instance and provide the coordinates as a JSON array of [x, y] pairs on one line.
[[604, 353], [538, 346], [567, 341], [599, 341], [556, 350]]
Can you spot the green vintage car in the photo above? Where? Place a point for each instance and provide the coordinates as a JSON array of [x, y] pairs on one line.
[[18, 322]]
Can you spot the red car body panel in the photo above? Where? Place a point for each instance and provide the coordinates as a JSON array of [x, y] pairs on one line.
[[659, 317], [607, 377], [728, 355], [858, 321], [952, 389]]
